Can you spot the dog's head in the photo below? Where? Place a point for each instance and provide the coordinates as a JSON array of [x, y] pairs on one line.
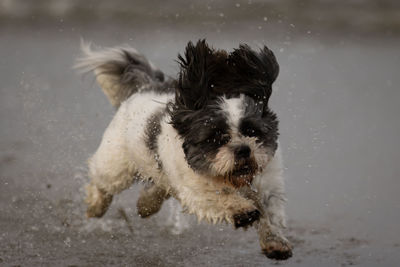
[[221, 111]]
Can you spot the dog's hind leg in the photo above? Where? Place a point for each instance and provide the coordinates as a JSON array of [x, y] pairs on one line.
[[150, 200], [110, 169], [98, 201], [110, 173]]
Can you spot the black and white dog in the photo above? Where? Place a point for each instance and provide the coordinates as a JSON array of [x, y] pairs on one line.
[[207, 138]]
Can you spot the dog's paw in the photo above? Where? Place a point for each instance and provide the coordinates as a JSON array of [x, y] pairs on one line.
[[146, 209], [95, 212], [150, 200], [246, 218], [98, 202], [99, 208], [277, 248]]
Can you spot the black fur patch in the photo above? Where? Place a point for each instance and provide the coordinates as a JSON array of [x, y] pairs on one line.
[[260, 122], [136, 71], [246, 219], [136, 62], [203, 132], [152, 131]]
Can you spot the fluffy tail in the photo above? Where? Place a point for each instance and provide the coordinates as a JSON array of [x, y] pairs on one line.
[[120, 71]]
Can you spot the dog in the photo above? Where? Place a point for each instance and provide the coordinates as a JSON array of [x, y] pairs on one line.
[[207, 138]]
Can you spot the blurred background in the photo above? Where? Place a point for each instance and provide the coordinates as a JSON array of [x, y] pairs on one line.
[[337, 98]]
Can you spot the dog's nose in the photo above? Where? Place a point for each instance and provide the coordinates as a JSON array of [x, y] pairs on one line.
[[242, 152]]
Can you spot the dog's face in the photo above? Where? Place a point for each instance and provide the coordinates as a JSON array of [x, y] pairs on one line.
[[221, 111]]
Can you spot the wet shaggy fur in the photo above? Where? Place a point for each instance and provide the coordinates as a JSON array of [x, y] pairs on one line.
[[208, 138]]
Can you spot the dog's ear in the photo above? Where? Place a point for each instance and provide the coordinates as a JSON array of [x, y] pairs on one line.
[[269, 63], [255, 71], [193, 81], [200, 67], [181, 118]]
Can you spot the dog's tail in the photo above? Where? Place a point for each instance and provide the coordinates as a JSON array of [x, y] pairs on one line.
[[120, 71]]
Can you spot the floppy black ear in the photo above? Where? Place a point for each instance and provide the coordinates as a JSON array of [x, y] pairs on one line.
[[269, 63], [193, 81], [256, 70], [201, 69]]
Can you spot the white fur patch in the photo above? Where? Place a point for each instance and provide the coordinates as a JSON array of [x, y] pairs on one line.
[[234, 109]]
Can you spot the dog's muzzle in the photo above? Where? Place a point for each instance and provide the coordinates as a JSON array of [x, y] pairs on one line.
[[243, 173]]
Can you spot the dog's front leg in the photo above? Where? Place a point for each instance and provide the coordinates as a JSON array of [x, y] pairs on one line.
[[272, 222], [272, 241], [270, 196]]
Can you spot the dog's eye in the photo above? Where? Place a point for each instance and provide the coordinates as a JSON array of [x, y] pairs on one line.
[[251, 128], [251, 132], [219, 138], [225, 138]]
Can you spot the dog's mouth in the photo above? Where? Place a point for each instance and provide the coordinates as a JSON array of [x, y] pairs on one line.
[[243, 173]]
